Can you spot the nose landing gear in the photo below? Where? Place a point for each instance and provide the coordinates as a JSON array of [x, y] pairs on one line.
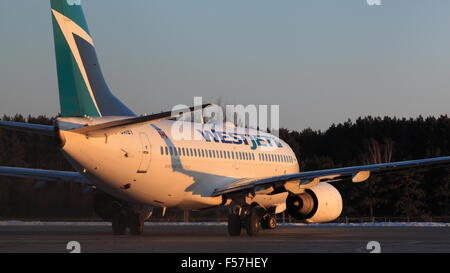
[[269, 221]]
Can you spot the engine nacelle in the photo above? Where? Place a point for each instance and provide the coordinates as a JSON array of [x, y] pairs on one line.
[[319, 204]]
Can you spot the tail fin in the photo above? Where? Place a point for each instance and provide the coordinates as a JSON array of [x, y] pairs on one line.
[[82, 88]]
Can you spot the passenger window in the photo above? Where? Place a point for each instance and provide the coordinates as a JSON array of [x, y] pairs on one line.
[[184, 152], [167, 150]]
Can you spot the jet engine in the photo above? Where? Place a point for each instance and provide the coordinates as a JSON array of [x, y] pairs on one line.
[[318, 204]]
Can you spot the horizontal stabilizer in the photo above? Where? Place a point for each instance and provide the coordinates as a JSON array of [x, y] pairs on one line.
[[28, 127], [136, 120]]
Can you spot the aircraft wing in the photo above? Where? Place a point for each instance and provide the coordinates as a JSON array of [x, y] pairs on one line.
[[303, 180], [44, 175]]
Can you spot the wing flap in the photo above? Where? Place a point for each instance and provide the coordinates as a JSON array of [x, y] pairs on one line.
[[44, 175], [311, 178]]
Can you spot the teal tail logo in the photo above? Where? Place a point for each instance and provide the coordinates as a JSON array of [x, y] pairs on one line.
[[82, 88]]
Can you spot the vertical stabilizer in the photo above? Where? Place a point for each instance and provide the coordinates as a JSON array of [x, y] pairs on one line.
[[82, 88]]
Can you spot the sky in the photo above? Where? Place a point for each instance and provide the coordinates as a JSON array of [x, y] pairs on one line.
[[321, 61]]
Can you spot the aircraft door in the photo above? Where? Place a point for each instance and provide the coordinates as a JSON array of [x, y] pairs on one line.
[[145, 153]]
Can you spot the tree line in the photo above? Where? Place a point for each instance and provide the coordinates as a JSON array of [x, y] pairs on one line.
[[368, 140]]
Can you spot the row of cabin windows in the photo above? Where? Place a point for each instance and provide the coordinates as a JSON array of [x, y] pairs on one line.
[[195, 152]]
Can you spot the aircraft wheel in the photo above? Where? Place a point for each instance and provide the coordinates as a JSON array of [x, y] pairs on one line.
[[269, 222], [119, 225], [252, 223], [234, 225], [136, 223]]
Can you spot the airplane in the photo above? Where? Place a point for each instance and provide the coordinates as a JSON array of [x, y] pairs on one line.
[[134, 163]]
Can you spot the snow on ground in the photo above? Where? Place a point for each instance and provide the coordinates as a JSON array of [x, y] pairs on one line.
[[380, 224]]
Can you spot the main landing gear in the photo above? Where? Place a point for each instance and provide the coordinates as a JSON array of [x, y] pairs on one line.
[[126, 217], [123, 215], [252, 219]]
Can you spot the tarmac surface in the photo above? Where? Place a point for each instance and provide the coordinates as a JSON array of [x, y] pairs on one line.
[[188, 238]]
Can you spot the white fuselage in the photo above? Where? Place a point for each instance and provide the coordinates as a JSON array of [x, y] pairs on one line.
[[149, 164]]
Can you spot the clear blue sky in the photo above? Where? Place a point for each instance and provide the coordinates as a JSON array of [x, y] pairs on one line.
[[322, 61]]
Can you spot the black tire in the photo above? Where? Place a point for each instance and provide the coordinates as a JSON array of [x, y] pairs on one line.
[[234, 225], [269, 222], [136, 223], [118, 224], [252, 223]]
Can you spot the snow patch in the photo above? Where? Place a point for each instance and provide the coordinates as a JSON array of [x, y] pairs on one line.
[[380, 224]]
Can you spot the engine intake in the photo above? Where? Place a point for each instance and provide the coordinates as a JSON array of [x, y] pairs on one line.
[[319, 204]]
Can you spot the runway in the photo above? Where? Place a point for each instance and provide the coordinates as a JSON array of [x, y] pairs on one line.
[[213, 238]]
